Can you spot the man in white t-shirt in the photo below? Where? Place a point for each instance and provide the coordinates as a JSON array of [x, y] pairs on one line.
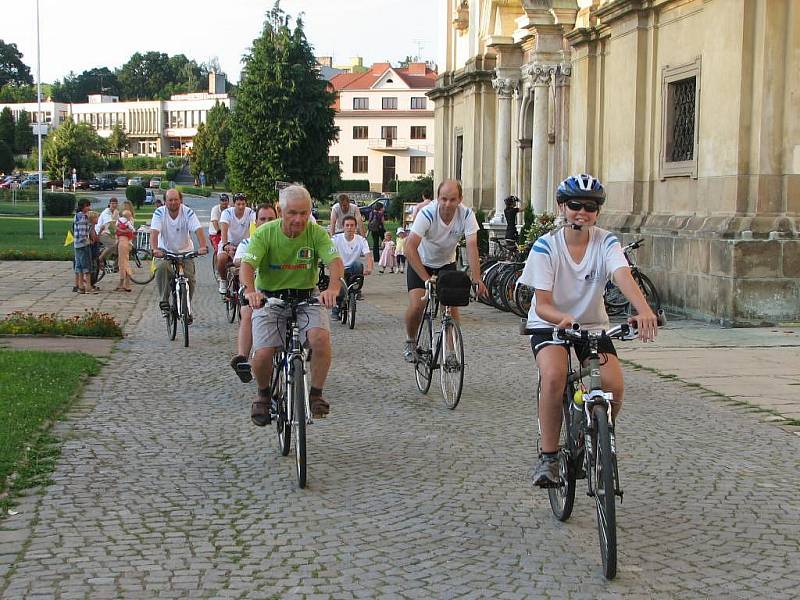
[[352, 248], [342, 209], [171, 231], [107, 218], [569, 269], [431, 248], [214, 233], [234, 224]]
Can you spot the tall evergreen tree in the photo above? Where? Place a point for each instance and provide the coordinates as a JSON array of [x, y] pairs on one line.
[[7, 128], [283, 121], [23, 134], [6, 158], [211, 144]]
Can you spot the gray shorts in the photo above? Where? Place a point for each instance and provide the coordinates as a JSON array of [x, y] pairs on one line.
[[269, 324]]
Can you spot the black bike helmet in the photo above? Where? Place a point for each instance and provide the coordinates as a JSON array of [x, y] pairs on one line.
[[581, 186]]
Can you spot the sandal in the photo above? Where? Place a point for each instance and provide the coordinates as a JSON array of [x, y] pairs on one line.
[[319, 407], [259, 412], [242, 368]]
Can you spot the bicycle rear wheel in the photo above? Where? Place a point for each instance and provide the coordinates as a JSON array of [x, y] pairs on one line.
[[451, 367], [172, 316], [351, 313], [562, 498], [299, 419], [183, 296], [280, 396], [522, 299], [140, 266], [615, 300], [649, 290], [604, 492], [423, 367]]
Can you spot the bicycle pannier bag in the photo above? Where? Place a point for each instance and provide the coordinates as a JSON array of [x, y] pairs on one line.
[[453, 288]]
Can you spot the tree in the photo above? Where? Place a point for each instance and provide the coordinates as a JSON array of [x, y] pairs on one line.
[[118, 140], [75, 88], [12, 94], [12, 70], [73, 146], [23, 134], [6, 158], [7, 128], [211, 143], [283, 122], [155, 75]]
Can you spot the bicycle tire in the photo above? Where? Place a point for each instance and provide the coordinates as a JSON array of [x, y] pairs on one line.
[[351, 312], [451, 378], [604, 491], [562, 498], [523, 295], [230, 308], [489, 281], [140, 266], [184, 300], [344, 309], [507, 286], [423, 367], [487, 275], [299, 420], [97, 273], [649, 290], [280, 396], [615, 301], [496, 291], [172, 316]]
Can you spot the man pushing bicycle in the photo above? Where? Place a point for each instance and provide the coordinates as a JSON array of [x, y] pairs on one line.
[[286, 252]]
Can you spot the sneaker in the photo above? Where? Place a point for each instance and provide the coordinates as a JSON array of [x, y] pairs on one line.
[[189, 319], [164, 306], [545, 474], [74, 288], [222, 286], [335, 313], [410, 352]]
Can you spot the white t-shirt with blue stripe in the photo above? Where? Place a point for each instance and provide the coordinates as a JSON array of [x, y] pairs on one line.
[[439, 239], [577, 287], [175, 235]]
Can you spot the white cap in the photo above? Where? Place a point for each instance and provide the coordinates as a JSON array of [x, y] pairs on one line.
[[400, 230]]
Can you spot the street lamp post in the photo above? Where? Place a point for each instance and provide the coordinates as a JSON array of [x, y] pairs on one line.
[[39, 118]]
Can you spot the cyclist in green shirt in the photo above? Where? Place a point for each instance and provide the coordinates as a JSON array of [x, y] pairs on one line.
[[285, 252]]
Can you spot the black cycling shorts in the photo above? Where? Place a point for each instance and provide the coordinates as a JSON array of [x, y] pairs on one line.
[[415, 283]]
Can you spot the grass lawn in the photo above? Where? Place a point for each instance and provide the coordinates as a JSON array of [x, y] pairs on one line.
[[35, 389]]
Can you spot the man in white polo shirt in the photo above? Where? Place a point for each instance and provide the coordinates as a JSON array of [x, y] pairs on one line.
[[431, 248]]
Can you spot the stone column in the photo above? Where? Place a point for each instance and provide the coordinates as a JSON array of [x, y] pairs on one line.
[[505, 88], [540, 76]]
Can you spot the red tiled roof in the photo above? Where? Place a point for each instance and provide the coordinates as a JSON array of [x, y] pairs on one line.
[[364, 81]]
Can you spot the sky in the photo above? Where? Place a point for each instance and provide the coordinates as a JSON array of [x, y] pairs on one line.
[[77, 35]]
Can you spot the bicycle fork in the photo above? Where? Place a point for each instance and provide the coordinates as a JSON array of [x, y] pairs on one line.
[[290, 379], [592, 399]]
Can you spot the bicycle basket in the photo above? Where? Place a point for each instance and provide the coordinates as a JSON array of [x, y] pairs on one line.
[[453, 288]]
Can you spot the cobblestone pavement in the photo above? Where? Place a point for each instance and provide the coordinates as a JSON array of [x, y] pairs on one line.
[[165, 489]]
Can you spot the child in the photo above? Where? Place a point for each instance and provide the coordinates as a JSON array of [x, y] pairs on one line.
[[83, 249], [387, 253], [400, 250], [125, 233]]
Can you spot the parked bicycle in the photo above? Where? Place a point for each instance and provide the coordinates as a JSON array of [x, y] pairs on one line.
[[616, 302], [180, 309], [290, 388], [450, 288], [351, 286], [139, 264], [587, 442]]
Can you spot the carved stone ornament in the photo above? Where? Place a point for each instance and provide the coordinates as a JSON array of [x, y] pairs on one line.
[[461, 17], [544, 74], [505, 86]]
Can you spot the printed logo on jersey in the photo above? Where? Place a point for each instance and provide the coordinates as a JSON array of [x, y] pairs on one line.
[[305, 253]]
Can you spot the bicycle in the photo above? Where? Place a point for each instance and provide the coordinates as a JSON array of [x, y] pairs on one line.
[[232, 297], [587, 443], [616, 302], [290, 387], [180, 308], [449, 341], [347, 308], [139, 263]]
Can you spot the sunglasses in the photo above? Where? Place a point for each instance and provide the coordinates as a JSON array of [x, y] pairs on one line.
[[590, 207]]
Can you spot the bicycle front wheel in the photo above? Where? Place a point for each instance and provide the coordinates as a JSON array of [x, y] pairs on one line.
[[183, 297], [351, 313], [604, 492], [562, 498], [172, 316], [280, 397], [451, 367], [423, 367], [230, 307], [140, 266], [299, 419]]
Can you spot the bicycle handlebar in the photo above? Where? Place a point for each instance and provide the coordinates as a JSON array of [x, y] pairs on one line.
[[428, 288], [181, 255], [620, 331], [292, 302]]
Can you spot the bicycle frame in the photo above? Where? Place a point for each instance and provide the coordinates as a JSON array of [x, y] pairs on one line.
[[283, 358]]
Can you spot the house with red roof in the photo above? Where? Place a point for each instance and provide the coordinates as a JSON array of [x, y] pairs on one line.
[[385, 124]]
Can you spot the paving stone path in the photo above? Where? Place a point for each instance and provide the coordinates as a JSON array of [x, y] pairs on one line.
[[165, 489]]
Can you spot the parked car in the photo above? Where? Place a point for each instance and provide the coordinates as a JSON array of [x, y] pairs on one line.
[[33, 182], [102, 183], [366, 210], [121, 181], [136, 181], [82, 184], [155, 182], [149, 197]]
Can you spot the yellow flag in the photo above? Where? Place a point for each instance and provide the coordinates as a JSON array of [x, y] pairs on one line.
[[153, 265], [252, 228], [69, 239]]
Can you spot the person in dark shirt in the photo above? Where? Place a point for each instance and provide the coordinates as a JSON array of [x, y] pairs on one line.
[[510, 213]]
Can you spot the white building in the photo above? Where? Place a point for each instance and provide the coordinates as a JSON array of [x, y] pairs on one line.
[[386, 124], [154, 127]]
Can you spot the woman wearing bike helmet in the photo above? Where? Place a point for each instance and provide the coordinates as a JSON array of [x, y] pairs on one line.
[[569, 269]]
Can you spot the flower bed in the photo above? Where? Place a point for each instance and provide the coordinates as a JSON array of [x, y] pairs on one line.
[[91, 324]]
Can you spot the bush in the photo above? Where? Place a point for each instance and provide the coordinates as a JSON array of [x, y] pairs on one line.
[[353, 185], [91, 324], [145, 163], [58, 204], [190, 189], [135, 194], [55, 254], [171, 173], [113, 163]]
